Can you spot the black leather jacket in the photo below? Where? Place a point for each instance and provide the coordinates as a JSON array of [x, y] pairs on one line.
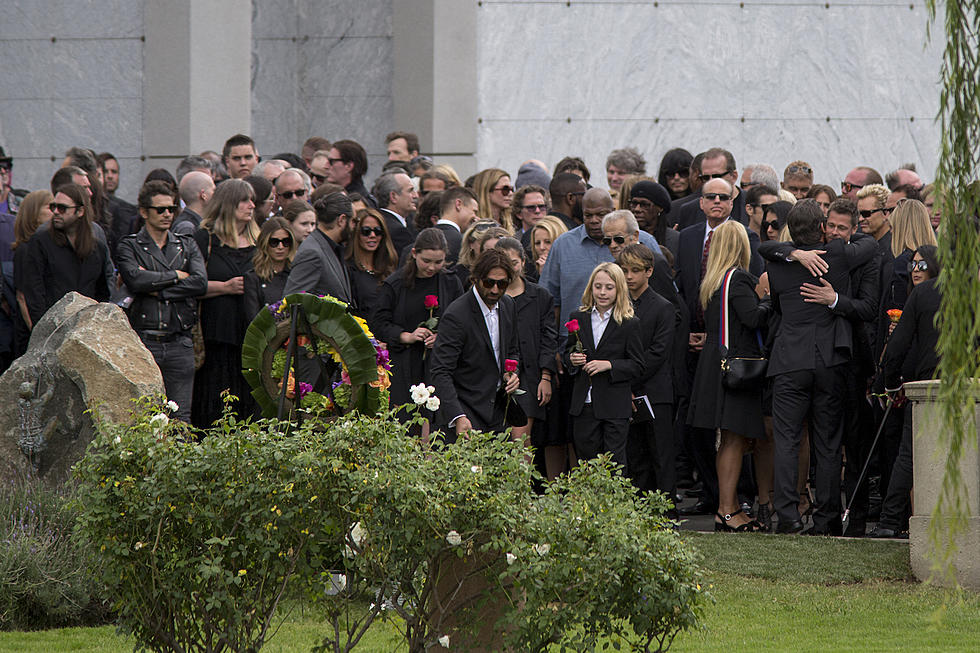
[[161, 302]]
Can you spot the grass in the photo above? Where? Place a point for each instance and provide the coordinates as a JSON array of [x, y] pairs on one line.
[[772, 593]]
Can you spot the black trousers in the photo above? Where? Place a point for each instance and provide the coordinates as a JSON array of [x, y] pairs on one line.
[[700, 446], [794, 394], [651, 453], [596, 436], [895, 507], [857, 435]]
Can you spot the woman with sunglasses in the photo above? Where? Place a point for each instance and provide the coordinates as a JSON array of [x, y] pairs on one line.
[[494, 192], [227, 240], [266, 281], [371, 258], [408, 298], [911, 355], [675, 172], [773, 220]]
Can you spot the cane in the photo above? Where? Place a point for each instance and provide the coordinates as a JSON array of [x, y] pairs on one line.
[[847, 511]]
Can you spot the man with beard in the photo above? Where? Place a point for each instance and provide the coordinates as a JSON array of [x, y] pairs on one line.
[[165, 274], [319, 264], [67, 254]]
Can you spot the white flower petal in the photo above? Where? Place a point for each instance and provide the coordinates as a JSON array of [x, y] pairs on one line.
[[444, 641], [454, 538], [511, 558], [432, 403]]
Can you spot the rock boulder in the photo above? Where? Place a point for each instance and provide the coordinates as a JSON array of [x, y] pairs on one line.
[[82, 354]]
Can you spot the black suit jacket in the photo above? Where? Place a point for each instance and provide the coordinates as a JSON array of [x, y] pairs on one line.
[[622, 346], [657, 320], [317, 269], [464, 371], [401, 235], [807, 328], [687, 264], [915, 337], [455, 240]]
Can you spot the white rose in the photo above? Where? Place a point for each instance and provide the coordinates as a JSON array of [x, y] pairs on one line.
[[542, 549], [454, 538], [117, 440], [420, 393], [432, 403], [172, 406], [444, 641], [511, 558], [476, 469], [431, 389], [159, 421]]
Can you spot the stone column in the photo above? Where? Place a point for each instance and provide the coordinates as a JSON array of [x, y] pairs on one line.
[[929, 464], [434, 87], [196, 77]]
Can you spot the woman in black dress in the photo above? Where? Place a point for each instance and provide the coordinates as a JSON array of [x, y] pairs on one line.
[[265, 283], [227, 240], [371, 258], [537, 334], [402, 307], [738, 413]]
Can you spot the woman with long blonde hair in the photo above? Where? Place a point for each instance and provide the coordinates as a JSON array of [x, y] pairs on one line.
[[494, 192], [604, 353], [737, 413], [910, 230]]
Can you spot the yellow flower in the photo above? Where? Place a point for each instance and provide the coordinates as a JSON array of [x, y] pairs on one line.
[[364, 326], [242, 572]]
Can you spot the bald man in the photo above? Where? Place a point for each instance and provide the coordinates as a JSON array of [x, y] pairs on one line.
[[196, 189]]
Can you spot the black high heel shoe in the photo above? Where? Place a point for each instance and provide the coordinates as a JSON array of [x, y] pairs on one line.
[[764, 517], [723, 527]]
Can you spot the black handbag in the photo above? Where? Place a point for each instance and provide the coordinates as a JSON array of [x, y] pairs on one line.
[[738, 372]]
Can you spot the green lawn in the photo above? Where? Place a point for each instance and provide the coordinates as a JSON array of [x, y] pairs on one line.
[[772, 593]]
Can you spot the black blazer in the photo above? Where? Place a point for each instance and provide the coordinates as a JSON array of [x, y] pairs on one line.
[[537, 335], [455, 240], [915, 336], [806, 328], [657, 320], [401, 235], [622, 346], [464, 371], [687, 264], [318, 270]]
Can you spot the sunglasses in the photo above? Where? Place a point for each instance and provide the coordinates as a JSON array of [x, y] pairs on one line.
[[717, 175], [619, 240], [319, 178], [847, 186], [490, 283], [163, 209], [764, 207], [676, 173], [922, 266], [368, 231], [281, 242], [868, 213], [289, 194], [536, 208], [58, 207], [646, 204], [799, 169], [333, 161], [745, 185], [711, 197], [771, 224], [505, 190]]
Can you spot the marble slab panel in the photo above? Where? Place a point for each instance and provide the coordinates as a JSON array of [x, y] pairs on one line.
[[28, 19], [344, 18], [275, 95], [346, 66], [276, 19]]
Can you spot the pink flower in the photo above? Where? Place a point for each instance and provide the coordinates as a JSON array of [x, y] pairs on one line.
[[431, 302], [304, 389], [572, 326], [510, 365]]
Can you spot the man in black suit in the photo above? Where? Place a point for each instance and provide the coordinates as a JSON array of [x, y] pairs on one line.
[[807, 362], [318, 267], [693, 245], [457, 211], [716, 164], [397, 199], [477, 333], [650, 446]]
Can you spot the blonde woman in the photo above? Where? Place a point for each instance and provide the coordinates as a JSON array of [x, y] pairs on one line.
[[266, 282], [469, 249], [738, 413], [495, 193], [604, 354], [543, 236], [911, 229]]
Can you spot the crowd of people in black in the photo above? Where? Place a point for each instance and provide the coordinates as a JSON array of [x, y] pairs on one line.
[[734, 335]]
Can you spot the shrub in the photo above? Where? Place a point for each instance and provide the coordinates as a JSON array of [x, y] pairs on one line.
[[47, 579]]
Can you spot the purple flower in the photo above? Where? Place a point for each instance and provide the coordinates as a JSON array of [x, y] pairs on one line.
[[304, 388]]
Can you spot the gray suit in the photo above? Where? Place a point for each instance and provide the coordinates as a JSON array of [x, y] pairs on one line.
[[317, 270]]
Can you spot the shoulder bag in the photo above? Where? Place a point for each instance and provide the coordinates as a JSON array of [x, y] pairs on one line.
[[737, 373]]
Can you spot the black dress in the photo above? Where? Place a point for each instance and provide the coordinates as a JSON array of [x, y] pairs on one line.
[[223, 324], [259, 292], [402, 309], [712, 406], [537, 336], [366, 287]]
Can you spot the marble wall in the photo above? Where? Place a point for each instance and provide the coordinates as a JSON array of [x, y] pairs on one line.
[[839, 86]]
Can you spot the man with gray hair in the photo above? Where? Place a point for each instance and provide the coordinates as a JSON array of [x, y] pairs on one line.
[[759, 174], [271, 169], [196, 188], [621, 164], [398, 199], [193, 162]]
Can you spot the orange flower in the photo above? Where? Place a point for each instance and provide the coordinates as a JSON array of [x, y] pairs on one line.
[[894, 314]]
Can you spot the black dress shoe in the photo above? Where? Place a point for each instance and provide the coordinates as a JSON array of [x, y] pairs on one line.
[[699, 508], [881, 533], [789, 528]]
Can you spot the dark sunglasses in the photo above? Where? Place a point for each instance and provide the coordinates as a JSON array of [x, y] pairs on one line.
[[537, 208], [619, 240], [922, 266], [367, 231], [163, 209], [505, 190], [289, 194], [799, 169], [490, 283], [646, 204], [717, 175], [770, 224], [58, 207], [677, 173], [847, 186], [333, 161], [867, 213], [281, 242], [319, 178], [711, 197], [764, 207]]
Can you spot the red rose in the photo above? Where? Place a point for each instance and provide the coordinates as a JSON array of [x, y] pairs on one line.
[[571, 326], [510, 365], [431, 301]]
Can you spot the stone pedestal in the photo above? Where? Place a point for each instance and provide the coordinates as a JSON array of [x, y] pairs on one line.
[[929, 462]]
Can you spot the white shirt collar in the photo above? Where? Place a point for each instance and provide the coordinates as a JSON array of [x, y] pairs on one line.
[[483, 306], [445, 221]]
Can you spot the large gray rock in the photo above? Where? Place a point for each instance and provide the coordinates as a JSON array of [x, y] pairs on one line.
[[82, 354]]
